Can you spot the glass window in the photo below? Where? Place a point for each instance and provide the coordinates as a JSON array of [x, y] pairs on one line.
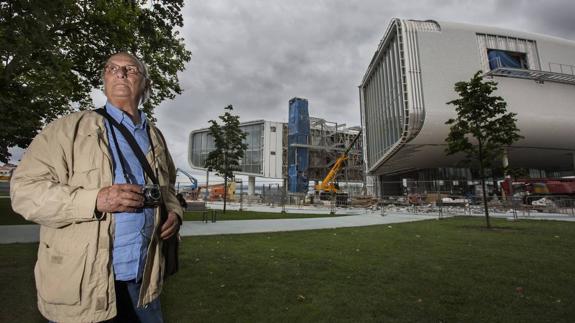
[[502, 58], [252, 161]]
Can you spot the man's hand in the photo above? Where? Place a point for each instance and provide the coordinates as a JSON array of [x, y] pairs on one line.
[[120, 198], [171, 226]]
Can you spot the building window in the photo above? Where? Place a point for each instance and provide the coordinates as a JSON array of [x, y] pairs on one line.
[[273, 153], [502, 58], [273, 129]]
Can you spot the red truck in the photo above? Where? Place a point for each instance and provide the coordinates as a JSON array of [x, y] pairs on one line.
[[540, 186]]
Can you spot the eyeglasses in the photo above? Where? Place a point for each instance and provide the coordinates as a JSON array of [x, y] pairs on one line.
[[114, 69]]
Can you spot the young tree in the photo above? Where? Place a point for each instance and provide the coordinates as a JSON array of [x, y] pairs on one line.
[[483, 126], [230, 147], [53, 52]]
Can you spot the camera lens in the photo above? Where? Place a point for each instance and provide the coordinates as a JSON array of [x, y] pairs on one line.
[[154, 193]]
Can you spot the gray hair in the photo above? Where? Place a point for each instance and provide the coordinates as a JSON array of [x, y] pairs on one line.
[[147, 91]]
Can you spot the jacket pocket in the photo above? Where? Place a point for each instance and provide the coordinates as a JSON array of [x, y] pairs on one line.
[[59, 274]]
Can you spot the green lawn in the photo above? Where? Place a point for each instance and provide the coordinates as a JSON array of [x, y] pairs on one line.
[[249, 215], [7, 215], [451, 270]]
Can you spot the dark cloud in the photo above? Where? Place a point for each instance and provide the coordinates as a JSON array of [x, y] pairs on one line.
[[552, 17], [258, 54]]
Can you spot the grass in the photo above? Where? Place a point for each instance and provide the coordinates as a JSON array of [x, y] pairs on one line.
[[451, 270], [8, 216], [250, 215]]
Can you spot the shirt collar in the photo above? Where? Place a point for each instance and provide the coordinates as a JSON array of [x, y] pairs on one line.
[[122, 117]]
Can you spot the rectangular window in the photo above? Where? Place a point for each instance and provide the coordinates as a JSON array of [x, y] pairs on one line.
[[273, 129], [273, 153], [502, 58]]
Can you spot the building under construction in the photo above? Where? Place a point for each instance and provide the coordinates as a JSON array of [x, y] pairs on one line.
[[300, 151]]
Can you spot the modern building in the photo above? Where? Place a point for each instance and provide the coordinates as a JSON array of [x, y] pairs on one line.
[[268, 146], [412, 74], [263, 157]]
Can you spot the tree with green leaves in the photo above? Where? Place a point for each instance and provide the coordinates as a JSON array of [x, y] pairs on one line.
[[483, 127], [230, 147], [52, 55]]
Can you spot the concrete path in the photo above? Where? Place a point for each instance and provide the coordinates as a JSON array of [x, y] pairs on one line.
[[30, 233], [190, 228], [19, 233]]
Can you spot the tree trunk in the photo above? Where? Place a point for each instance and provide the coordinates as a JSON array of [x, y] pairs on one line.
[[482, 176], [225, 192], [225, 180]]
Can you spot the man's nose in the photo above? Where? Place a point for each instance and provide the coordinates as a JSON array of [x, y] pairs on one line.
[[122, 72]]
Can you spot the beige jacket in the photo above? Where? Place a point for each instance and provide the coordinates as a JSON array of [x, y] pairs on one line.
[[56, 185]]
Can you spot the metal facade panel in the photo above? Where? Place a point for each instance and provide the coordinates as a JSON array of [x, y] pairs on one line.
[[416, 108], [393, 101]]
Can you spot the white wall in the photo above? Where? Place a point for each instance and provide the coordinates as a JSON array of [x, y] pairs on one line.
[[272, 164]]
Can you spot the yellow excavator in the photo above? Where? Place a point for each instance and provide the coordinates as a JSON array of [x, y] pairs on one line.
[[328, 187]]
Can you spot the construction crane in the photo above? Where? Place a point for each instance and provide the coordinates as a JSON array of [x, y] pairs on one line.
[[192, 178], [327, 185]]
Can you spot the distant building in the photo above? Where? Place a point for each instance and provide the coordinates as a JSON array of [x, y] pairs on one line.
[[6, 171], [411, 76], [267, 153]]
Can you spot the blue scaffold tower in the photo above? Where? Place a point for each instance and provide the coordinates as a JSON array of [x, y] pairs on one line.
[[298, 157]]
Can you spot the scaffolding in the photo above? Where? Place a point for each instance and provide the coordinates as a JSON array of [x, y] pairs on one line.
[[327, 140]]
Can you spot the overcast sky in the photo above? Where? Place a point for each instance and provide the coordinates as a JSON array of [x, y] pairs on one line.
[[258, 54]]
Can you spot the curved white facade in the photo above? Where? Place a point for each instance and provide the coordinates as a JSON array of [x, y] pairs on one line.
[[411, 77]]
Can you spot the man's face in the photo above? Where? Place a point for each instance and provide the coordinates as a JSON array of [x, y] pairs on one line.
[[123, 79]]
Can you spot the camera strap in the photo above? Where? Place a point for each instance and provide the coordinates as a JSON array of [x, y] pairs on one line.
[[139, 154], [133, 144], [120, 156]]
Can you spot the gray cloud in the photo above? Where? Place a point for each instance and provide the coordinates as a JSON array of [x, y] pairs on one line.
[[258, 54]]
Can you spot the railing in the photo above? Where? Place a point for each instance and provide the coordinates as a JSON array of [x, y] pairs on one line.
[[565, 75], [562, 68]]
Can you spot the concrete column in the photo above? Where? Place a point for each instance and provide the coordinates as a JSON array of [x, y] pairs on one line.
[[207, 191], [505, 159], [507, 176], [251, 185]]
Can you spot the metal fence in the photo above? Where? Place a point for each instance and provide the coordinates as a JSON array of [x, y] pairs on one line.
[[423, 197]]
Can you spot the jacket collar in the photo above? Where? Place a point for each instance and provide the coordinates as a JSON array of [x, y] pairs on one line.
[[99, 128]]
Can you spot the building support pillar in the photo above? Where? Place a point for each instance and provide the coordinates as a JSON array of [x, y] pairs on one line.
[[251, 185], [505, 160]]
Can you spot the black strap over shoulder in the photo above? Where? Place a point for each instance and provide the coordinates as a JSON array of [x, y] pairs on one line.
[[133, 144], [138, 152]]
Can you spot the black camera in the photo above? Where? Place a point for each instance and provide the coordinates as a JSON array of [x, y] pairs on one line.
[[152, 195]]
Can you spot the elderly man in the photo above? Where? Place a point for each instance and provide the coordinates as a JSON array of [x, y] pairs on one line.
[[100, 253]]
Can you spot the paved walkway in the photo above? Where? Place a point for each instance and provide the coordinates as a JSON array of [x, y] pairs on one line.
[[190, 228], [30, 233]]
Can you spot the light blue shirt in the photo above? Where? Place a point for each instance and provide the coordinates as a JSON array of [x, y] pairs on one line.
[[133, 230]]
